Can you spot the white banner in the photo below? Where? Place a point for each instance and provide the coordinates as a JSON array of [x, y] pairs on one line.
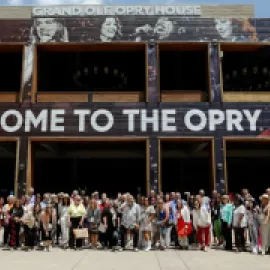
[[95, 10], [130, 120]]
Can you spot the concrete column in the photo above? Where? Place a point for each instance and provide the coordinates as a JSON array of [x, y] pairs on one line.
[[21, 167], [153, 164], [153, 96], [27, 72], [26, 90], [215, 73], [219, 163]]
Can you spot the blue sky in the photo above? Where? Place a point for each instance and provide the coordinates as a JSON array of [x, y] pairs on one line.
[[262, 7]]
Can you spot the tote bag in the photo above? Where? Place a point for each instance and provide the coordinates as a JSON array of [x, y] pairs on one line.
[[80, 233]]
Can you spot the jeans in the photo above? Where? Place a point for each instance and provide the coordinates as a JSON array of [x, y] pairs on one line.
[[168, 236], [64, 231], [254, 235]]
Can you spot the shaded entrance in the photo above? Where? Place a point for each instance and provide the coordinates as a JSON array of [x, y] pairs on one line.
[[247, 165], [7, 167], [186, 166], [106, 166]]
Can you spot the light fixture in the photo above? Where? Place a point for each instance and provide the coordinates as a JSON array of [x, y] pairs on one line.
[[90, 73]]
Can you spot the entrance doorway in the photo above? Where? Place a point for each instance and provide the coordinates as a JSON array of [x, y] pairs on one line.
[[186, 165], [247, 164], [7, 166], [105, 165]]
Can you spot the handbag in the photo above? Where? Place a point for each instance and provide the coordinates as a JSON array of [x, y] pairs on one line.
[[80, 233], [102, 228]]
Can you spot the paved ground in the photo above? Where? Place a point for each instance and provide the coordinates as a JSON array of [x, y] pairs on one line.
[[153, 260]]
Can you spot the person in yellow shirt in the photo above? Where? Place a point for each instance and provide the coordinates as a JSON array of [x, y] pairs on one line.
[[76, 212]]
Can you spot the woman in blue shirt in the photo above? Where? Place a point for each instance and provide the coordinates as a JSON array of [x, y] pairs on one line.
[[226, 218]]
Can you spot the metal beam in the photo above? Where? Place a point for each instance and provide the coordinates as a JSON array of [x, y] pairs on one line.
[[90, 154], [51, 148], [3, 149], [196, 149]]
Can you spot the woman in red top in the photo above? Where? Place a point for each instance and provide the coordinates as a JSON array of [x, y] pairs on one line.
[[184, 226]]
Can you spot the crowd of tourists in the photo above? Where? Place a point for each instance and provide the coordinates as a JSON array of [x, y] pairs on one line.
[[235, 222]]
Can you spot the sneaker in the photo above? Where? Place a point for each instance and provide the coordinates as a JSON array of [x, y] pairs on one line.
[[147, 249], [136, 249], [263, 252], [129, 243], [255, 250], [120, 249]]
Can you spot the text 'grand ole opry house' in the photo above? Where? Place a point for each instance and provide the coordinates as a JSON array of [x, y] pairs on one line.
[[134, 98]]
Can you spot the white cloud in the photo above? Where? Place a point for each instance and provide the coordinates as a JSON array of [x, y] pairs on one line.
[[68, 2], [15, 2]]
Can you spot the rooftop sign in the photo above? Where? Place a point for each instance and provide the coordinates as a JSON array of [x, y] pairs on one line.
[[96, 10]]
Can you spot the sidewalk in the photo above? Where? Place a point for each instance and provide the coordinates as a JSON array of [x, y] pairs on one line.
[[129, 260]]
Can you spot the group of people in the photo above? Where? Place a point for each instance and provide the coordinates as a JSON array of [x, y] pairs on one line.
[[159, 221]]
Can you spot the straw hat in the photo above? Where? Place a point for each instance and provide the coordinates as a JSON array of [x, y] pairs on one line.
[[265, 196]]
